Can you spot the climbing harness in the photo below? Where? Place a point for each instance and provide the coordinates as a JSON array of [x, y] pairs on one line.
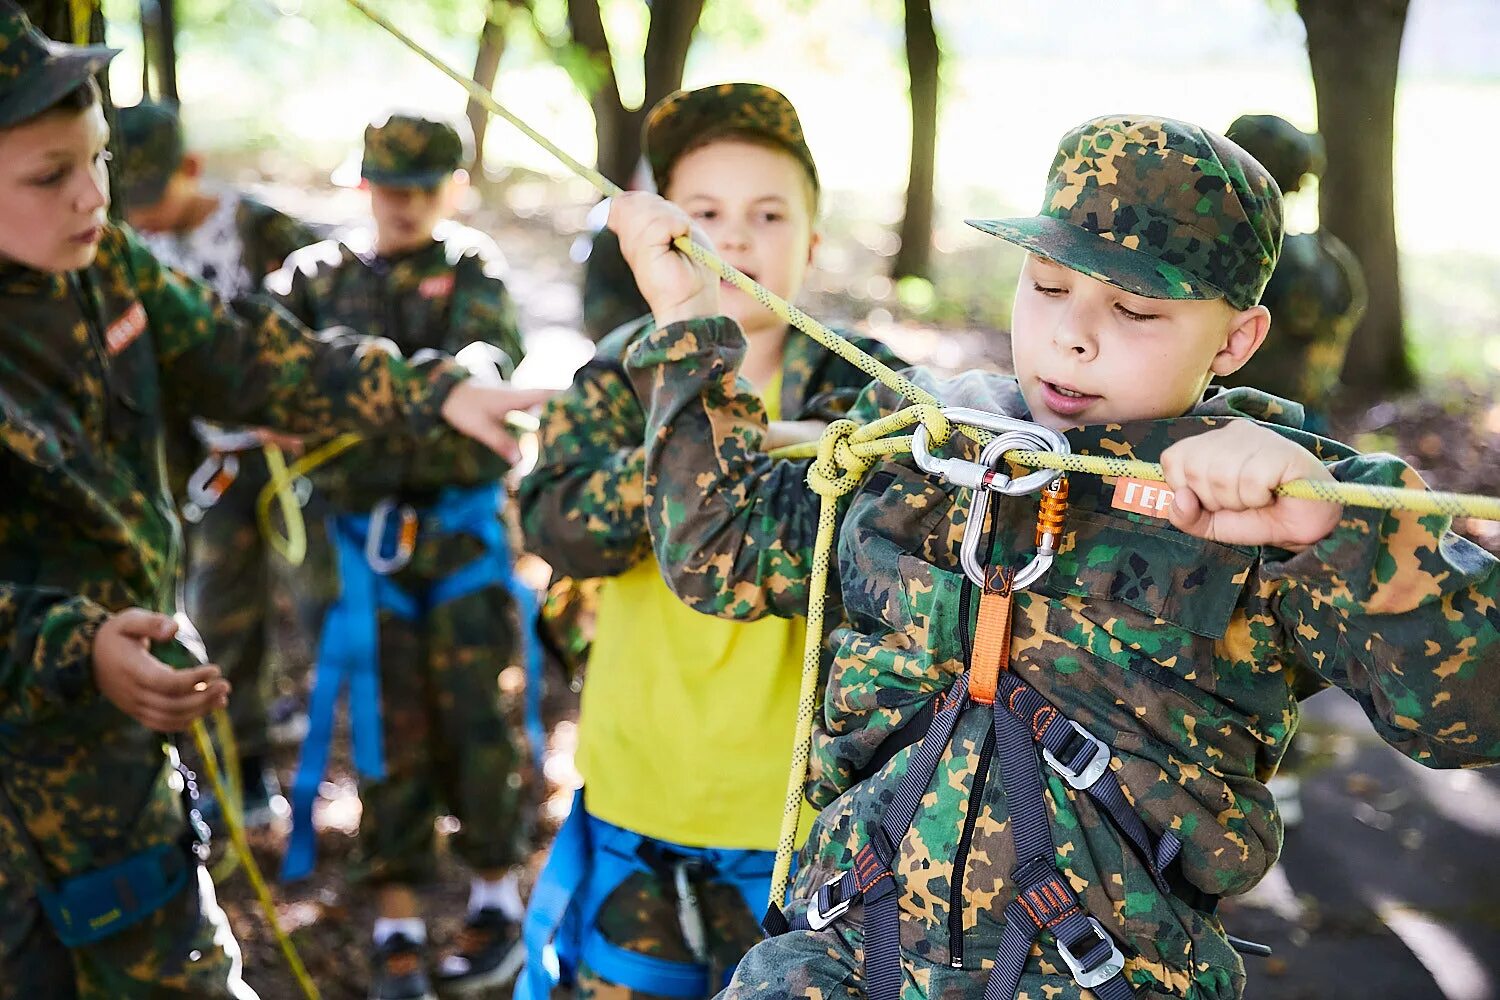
[[589, 860], [1022, 723], [369, 549]]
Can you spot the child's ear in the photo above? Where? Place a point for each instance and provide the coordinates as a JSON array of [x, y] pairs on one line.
[[191, 166], [812, 244], [1247, 331]]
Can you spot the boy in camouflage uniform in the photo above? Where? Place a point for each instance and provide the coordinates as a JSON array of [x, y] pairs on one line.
[[1317, 292], [424, 284], [685, 909], [230, 242], [1161, 660], [101, 893]]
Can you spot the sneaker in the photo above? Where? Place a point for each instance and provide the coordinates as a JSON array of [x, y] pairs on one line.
[[398, 971], [488, 953]]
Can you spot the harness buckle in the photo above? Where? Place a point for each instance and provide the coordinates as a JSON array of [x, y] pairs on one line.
[[406, 537], [1092, 771], [819, 918], [209, 481], [1102, 972]]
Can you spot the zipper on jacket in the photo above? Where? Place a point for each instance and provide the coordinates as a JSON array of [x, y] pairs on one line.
[[93, 325], [961, 855]]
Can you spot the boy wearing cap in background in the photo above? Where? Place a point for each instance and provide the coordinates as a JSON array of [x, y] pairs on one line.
[[101, 892], [425, 605], [1160, 660], [685, 724], [230, 242], [1316, 295]]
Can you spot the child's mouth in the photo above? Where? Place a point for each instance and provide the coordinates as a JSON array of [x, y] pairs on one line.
[[1063, 400]]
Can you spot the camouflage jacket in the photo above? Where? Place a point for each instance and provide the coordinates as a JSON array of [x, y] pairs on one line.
[[583, 506], [1317, 297], [269, 236], [1188, 657], [442, 297], [96, 364]]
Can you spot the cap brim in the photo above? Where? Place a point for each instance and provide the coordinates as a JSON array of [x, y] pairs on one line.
[[1113, 263], [426, 179], [65, 70]]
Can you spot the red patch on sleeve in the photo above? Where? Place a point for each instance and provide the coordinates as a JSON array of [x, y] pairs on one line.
[[436, 286], [1141, 496], [123, 331]]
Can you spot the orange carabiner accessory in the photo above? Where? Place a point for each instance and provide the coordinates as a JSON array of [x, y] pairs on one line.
[[1054, 508]]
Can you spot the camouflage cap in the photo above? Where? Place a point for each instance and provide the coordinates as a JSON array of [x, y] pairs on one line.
[[1156, 207], [1288, 153], [35, 71], [413, 151], [688, 116], [151, 150]]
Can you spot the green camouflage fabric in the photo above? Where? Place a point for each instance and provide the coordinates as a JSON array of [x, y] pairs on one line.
[[688, 117], [1188, 657], [441, 297], [35, 71], [412, 151], [1157, 207], [641, 916], [97, 362], [1317, 297], [448, 744], [610, 296], [151, 150], [583, 507], [154, 959], [1288, 153]]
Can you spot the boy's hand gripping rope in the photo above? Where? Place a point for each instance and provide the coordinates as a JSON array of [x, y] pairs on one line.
[[847, 451]]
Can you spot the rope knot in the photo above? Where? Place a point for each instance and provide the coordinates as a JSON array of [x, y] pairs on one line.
[[837, 469]]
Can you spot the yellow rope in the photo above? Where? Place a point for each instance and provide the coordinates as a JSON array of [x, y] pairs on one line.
[[252, 869], [293, 545], [234, 814]]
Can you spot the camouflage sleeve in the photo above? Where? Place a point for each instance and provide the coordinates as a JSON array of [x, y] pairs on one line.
[[259, 366], [291, 286], [484, 311], [1404, 615], [583, 508], [836, 403], [732, 529], [47, 663]]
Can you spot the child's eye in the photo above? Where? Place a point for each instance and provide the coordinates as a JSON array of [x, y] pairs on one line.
[[51, 178], [1051, 290], [707, 214], [1136, 317], [771, 216]]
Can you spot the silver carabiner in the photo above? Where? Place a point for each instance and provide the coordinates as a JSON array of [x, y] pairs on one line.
[[406, 537], [985, 473], [209, 481]]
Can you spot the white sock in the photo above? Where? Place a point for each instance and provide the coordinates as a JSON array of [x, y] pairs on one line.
[[412, 927], [503, 894]]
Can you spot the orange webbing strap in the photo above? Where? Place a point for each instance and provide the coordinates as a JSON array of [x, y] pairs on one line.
[[991, 636]]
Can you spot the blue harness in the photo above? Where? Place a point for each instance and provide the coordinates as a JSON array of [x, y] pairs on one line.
[[348, 649], [589, 860]]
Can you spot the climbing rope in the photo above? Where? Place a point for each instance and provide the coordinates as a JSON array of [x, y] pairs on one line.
[[847, 451]]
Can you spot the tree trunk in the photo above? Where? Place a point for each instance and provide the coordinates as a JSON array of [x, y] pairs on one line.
[[1354, 47], [166, 51], [486, 66], [923, 59], [617, 127]]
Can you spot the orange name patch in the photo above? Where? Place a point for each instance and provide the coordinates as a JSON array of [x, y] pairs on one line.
[[436, 286], [1141, 496], [123, 331]]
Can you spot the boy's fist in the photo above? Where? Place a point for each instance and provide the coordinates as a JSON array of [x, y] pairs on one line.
[[143, 687], [1223, 481], [675, 286]]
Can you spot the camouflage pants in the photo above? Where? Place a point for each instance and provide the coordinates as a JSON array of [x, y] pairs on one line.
[[641, 916], [448, 745], [185, 949], [229, 597]]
